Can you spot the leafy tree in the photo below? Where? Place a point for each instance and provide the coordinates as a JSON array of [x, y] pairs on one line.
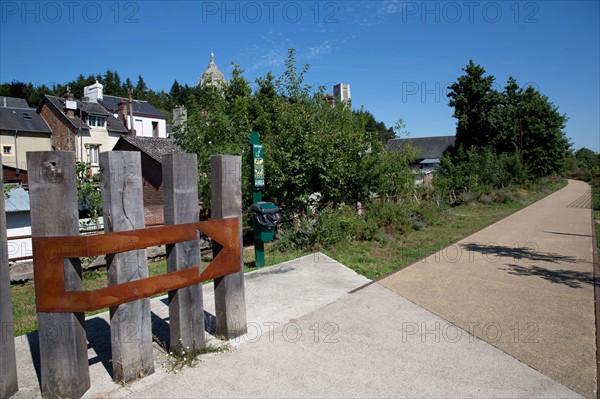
[[373, 126], [112, 84], [140, 91], [88, 193], [516, 121], [588, 160], [6, 190], [473, 99], [310, 147], [544, 142]]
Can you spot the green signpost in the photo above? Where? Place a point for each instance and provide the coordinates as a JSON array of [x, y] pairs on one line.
[[258, 184]]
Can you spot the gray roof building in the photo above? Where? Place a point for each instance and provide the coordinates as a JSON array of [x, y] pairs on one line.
[[151, 151], [154, 147], [78, 121], [429, 147], [140, 108], [18, 200], [13, 102], [22, 120]]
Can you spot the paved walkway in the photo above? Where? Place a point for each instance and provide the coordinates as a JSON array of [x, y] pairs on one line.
[[524, 284]]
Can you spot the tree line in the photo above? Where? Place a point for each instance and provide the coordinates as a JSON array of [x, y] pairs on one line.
[[179, 94], [502, 137]]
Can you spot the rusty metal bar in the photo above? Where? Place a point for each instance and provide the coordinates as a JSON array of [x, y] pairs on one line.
[[49, 253]]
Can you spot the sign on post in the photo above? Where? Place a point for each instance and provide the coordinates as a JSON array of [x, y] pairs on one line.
[[258, 166]]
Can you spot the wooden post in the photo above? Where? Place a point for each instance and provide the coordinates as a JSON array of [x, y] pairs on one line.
[[226, 201], [8, 363], [53, 202], [186, 308], [123, 209]]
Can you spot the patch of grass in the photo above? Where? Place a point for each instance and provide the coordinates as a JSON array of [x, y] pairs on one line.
[[377, 259]]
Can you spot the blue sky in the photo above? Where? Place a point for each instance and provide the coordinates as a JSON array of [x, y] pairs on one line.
[[397, 56]]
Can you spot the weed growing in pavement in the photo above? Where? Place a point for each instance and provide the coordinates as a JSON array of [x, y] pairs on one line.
[[184, 356]]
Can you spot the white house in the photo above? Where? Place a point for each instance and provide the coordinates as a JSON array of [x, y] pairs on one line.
[[148, 121]]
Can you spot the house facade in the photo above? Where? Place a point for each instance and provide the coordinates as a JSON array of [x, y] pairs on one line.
[[146, 120], [81, 126], [430, 152], [431, 149]]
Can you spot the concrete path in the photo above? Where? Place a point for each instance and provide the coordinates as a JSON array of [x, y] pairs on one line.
[[524, 284], [309, 337]]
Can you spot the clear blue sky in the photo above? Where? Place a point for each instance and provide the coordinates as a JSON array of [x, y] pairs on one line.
[[397, 56]]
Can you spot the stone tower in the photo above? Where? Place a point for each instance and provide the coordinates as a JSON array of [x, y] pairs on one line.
[[212, 76]]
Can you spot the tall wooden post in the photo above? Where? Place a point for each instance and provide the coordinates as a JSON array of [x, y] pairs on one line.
[[53, 202], [186, 308], [8, 364], [226, 201], [123, 209]]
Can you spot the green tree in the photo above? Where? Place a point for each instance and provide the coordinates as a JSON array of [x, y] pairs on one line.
[[140, 90], [516, 121], [310, 147], [473, 100], [588, 160]]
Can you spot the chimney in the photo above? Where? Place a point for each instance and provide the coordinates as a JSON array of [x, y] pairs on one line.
[[131, 129], [123, 112], [94, 92], [70, 103]]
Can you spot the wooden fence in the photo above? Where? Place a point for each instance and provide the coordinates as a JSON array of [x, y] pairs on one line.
[[60, 298]]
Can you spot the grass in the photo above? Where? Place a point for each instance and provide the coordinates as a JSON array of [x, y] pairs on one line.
[[372, 259], [377, 259]]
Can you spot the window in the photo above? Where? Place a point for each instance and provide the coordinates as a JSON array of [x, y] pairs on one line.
[[7, 149], [93, 153], [26, 115], [97, 121], [154, 129]]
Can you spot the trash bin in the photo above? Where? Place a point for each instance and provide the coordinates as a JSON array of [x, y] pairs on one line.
[[266, 217]]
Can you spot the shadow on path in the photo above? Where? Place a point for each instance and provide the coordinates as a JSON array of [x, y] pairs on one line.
[[569, 278], [528, 252]]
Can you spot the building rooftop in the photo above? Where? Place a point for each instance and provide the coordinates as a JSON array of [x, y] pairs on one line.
[[430, 161], [140, 108], [429, 147], [112, 123], [22, 120], [155, 147], [18, 200], [13, 102]]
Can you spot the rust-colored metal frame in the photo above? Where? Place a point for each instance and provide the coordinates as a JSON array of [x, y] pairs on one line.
[[49, 254]]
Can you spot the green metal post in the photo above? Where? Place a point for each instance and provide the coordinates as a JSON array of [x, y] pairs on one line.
[[258, 183]]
